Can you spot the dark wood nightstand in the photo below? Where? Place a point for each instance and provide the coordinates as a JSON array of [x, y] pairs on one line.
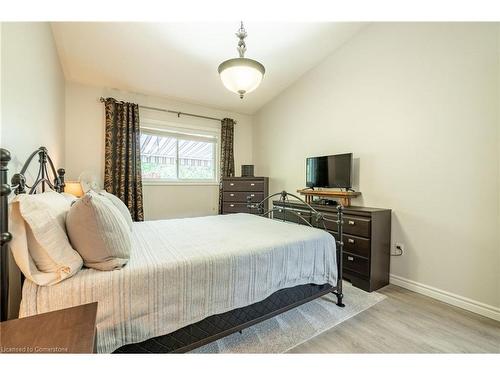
[[70, 330]]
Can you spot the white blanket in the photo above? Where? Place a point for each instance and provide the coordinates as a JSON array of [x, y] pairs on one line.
[[184, 270]]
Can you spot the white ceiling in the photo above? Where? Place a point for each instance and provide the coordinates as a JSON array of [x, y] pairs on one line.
[[180, 60]]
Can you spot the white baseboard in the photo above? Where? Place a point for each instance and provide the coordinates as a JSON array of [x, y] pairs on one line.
[[450, 298]]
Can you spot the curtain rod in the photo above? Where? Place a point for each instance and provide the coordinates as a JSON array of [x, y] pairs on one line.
[[178, 113]]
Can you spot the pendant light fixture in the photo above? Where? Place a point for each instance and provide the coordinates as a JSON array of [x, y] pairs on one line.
[[241, 75]]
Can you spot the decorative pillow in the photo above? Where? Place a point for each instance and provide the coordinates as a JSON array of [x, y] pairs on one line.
[[118, 203], [40, 245], [99, 232]]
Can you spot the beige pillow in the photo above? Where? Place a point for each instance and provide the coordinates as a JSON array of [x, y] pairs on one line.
[[40, 245], [118, 203], [99, 232]]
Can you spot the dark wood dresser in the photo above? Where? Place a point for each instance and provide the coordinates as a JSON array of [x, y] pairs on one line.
[[367, 240], [236, 191]]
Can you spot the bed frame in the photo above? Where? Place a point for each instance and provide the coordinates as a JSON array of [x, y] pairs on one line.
[[193, 335]]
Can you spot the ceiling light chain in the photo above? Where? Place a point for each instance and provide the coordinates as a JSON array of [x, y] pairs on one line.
[[242, 34]]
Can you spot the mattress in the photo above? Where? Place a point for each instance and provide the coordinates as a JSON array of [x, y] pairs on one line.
[[184, 270]]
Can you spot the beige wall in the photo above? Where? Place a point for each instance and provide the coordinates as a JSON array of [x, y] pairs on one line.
[[85, 147], [32, 92], [418, 105], [32, 106], [498, 138]]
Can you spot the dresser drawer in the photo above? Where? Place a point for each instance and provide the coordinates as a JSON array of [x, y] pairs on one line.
[[352, 224], [329, 222], [357, 245], [232, 208], [243, 185], [356, 264], [359, 226], [290, 216], [236, 196]]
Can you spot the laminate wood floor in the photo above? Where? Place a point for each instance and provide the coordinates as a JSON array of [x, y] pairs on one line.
[[408, 322]]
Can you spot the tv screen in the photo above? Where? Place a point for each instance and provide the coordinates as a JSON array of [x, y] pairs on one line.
[[333, 171]]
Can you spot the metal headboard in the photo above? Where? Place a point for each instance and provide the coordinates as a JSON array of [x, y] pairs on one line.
[[18, 183], [319, 218]]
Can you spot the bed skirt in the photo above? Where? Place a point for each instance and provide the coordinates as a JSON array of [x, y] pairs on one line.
[[217, 326]]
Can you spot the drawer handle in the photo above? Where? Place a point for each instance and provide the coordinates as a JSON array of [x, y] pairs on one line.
[[350, 259], [231, 195], [351, 222], [231, 205], [252, 184], [299, 213], [231, 184], [350, 240], [252, 195]]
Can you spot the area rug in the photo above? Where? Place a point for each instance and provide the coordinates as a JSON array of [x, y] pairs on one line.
[[285, 331]]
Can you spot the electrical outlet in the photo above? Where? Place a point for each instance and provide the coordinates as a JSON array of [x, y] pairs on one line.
[[398, 249]]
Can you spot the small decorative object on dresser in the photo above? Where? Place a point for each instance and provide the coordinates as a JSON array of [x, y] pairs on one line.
[[367, 240], [247, 170], [237, 192]]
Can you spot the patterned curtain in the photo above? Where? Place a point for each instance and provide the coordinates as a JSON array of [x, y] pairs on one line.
[[226, 154], [122, 163]]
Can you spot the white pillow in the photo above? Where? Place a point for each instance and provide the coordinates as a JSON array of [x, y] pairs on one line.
[[69, 197], [40, 244], [118, 203], [99, 232]]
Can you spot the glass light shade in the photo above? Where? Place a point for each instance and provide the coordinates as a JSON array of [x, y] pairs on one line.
[[74, 188], [241, 75]]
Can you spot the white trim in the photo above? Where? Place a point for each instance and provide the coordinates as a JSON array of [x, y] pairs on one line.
[[447, 297], [147, 182], [186, 135], [180, 127]]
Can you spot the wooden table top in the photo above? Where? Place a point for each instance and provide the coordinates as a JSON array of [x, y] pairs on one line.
[[69, 330]]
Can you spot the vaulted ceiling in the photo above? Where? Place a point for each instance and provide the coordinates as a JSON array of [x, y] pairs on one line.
[[180, 60]]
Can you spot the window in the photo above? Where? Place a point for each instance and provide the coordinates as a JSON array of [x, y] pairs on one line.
[[178, 157]]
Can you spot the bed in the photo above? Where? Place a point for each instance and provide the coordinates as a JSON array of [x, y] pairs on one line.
[[189, 281]]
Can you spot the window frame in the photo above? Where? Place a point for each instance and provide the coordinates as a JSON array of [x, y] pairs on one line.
[[183, 132]]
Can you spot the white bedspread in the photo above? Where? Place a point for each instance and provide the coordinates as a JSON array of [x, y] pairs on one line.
[[184, 270]]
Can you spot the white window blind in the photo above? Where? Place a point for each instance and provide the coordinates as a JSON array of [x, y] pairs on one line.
[[175, 156]]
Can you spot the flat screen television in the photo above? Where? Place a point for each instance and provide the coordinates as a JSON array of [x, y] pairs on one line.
[[332, 171]]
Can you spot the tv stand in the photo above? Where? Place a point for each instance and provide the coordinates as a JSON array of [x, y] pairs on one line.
[[344, 196]]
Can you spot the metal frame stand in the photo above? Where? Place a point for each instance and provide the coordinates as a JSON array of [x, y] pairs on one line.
[[318, 217], [5, 235]]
